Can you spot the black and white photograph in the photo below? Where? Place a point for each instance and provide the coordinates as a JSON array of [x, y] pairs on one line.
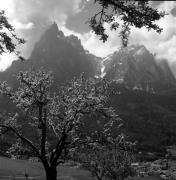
[[87, 90]]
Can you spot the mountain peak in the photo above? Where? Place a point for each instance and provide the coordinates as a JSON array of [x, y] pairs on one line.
[[54, 31], [54, 25], [138, 68], [75, 42]]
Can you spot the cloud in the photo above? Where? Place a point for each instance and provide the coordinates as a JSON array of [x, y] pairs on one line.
[[163, 45], [166, 6], [6, 60], [22, 26], [94, 45]]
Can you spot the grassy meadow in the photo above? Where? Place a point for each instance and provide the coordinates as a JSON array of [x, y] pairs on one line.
[[16, 169]]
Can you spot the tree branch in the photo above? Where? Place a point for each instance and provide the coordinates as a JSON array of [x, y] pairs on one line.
[[58, 150], [24, 139], [43, 138]]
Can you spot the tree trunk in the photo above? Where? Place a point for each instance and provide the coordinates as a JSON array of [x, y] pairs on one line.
[[51, 173]]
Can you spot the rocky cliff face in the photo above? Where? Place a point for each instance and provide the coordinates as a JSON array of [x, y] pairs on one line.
[[138, 69], [64, 56]]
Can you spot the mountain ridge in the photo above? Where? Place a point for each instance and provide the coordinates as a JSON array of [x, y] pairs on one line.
[[138, 68], [64, 55]]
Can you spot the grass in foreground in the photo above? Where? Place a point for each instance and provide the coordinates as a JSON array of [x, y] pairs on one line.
[[16, 169]]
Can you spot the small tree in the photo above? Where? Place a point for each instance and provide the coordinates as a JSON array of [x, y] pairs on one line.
[[8, 37], [108, 158], [131, 13], [58, 118]]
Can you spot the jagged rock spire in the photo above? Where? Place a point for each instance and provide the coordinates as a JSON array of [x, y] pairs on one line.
[[54, 31]]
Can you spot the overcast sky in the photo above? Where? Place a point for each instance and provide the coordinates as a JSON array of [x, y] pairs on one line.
[[32, 17]]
